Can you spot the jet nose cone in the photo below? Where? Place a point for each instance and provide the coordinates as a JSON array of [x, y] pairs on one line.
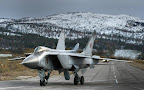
[[31, 62]]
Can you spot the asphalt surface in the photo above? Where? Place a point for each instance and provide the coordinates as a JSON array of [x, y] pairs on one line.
[[113, 76]]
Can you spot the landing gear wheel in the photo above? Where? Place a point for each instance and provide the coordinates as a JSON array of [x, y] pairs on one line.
[[82, 80], [76, 80], [42, 83]]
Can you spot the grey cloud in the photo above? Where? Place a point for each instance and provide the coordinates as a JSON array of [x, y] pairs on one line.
[[36, 8]]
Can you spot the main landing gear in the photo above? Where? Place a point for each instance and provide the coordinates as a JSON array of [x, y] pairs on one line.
[[78, 79], [43, 78]]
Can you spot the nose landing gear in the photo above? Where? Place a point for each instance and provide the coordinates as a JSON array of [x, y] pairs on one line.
[[42, 83], [43, 77]]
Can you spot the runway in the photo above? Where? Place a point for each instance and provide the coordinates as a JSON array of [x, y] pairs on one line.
[[114, 76]]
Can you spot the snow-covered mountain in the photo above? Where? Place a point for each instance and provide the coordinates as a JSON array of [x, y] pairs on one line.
[[122, 28]]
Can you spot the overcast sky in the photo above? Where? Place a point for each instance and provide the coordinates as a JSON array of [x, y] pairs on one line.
[[40, 8]]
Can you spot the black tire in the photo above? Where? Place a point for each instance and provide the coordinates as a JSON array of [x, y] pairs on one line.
[[41, 83], [82, 80], [76, 80]]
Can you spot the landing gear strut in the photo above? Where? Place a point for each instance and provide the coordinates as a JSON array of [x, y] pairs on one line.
[[47, 77], [78, 79], [43, 78]]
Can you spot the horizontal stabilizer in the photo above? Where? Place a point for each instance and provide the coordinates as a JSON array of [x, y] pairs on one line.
[[76, 47]]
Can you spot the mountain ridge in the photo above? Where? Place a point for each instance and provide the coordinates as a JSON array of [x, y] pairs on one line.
[[121, 28]]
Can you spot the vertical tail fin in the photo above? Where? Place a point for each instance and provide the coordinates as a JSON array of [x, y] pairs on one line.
[[61, 41], [88, 49], [76, 47]]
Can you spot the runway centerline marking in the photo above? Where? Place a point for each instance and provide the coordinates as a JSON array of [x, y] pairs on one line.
[[115, 75], [116, 80]]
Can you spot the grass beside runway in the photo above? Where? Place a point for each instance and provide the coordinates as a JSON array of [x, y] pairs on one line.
[[135, 63], [10, 70], [138, 64]]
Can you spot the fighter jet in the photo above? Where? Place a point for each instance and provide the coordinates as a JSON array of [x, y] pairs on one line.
[[45, 60]]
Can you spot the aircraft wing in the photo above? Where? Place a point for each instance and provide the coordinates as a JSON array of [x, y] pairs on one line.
[[75, 55], [15, 59], [27, 54], [54, 53], [97, 57], [68, 54]]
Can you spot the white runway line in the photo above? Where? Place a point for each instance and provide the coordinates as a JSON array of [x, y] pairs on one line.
[[113, 67], [116, 80], [114, 73], [115, 76], [10, 88]]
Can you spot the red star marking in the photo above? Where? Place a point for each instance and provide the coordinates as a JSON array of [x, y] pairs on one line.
[[90, 45], [47, 61]]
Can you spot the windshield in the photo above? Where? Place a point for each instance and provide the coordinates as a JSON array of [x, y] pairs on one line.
[[39, 49]]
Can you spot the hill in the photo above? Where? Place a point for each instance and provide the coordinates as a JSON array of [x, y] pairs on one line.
[[112, 31]]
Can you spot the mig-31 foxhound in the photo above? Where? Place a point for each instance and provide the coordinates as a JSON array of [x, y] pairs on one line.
[[46, 60]]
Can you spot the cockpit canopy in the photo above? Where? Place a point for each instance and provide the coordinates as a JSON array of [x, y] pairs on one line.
[[40, 48]]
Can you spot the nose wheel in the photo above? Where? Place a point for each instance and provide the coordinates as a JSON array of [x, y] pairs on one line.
[[42, 83], [78, 79]]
